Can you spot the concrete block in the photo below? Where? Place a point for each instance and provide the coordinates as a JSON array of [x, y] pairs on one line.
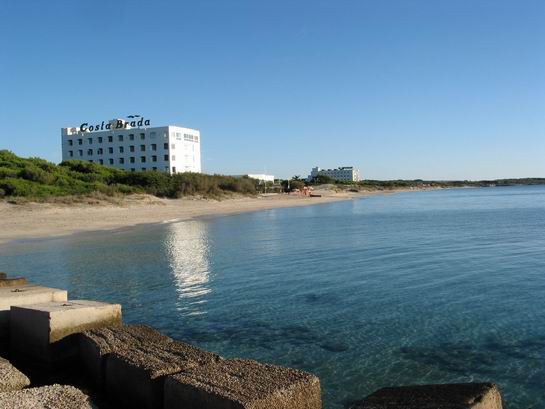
[[448, 396], [242, 384], [11, 282], [23, 295], [11, 379], [135, 376], [96, 343], [42, 331], [46, 397]]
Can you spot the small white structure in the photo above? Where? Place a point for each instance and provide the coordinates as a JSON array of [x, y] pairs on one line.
[[170, 149], [344, 173], [262, 177]]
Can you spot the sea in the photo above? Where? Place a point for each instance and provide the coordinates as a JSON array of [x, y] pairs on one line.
[[412, 288]]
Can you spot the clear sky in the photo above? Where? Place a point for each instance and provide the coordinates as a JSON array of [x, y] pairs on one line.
[[433, 89]]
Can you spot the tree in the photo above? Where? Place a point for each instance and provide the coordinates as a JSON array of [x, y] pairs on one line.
[[322, 180]]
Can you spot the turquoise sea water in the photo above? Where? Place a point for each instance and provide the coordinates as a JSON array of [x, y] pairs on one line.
[[441, 286]]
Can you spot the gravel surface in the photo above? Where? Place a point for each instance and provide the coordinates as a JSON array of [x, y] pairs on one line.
[[11, 378], [46, 397]]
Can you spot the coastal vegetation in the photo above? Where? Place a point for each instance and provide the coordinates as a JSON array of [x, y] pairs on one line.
[[38, 179]]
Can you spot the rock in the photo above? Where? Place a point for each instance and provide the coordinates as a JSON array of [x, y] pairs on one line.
[[242, 384], [46, 397], [96, 343], [11, 378], [41, 331], [23, 295], [11, 282], [447, 396], [135, 374]]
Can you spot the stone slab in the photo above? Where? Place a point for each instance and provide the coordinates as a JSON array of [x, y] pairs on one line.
[[135, 375], [12, 282], [41, 331], [23, 295], [242, 384], [11, 379], [46, 397], [447, 396], [96, 343]]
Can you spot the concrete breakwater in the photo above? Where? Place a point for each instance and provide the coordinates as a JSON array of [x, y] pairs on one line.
[[103, 363]]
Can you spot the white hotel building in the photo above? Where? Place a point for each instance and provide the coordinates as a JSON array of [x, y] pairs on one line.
[[344, 173], [171, 149]]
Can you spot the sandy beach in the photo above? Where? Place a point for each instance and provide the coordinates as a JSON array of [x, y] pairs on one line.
[[41, 220]]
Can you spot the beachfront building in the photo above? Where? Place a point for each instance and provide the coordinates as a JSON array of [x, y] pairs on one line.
[[344, 173], [134, 146]]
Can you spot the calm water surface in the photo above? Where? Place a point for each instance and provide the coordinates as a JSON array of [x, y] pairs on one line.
[[442, 286]]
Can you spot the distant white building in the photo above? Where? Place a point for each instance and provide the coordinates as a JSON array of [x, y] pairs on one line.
[[345, 173], [134, 146], [262, 177]]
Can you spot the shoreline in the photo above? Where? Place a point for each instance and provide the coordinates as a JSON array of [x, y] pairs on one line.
[[31, 221]]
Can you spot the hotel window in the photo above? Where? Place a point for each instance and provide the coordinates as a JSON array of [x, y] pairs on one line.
[[196, 138], [166, 168], [90, 160], [101, 161], [142, 148], [80, 141], [110, 150], [143, 159], [166, 157], [110, 138], [178, 136], [142, 136], [133, 170], [143, 168], [70, 142], [152, 135], [132, 159], [173, 146], [154, 158], [121, 149], [166, 146], [154, 168], [121, 161], [100, 151], [80, 152], [174, 169], [70, 153], [173, 157], [188, 137], [120, 138], [131, 137], [131, 148], [89, 141], [111, 161], [153, 147], [89, 152], [100, 139]]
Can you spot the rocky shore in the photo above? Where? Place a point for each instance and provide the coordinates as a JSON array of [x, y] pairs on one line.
[[78, 354]]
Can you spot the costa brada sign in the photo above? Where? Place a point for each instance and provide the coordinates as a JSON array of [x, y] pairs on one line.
[[119, 124]]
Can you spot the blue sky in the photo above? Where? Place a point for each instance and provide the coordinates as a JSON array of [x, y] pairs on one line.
[[434, 89]]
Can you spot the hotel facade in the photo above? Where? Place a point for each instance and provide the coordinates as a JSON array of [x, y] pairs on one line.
[[344, 173], [117, 144]]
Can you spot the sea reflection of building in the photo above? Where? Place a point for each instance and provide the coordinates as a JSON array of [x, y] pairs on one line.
[[187, 249]]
